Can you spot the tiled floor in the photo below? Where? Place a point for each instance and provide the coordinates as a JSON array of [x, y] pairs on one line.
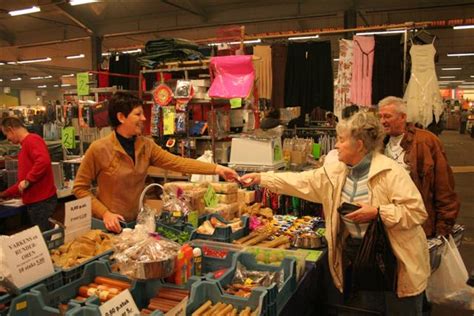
[[460, 151]]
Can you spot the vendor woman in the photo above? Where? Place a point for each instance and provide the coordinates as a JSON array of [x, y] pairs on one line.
[[119, 162]]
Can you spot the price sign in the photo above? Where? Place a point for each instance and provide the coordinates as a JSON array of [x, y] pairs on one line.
[[121, 305], [235, 103], [210, 197], [77, 218], [27, 256], [82, 83], [68, 137], [193, 218]]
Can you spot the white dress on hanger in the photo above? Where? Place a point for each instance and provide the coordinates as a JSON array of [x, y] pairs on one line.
[[422, 94]]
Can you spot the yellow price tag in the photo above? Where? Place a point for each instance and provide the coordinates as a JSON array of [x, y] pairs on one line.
[[21, 305], [177, 214], [82, 79], [248, 281]]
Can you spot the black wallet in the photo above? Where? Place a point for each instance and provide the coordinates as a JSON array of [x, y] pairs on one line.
[[347, 208]]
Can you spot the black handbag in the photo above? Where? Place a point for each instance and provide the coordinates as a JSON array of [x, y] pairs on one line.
[[375, 265]]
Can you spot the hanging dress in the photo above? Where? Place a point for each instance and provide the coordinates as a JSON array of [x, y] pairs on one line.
[[422, 94], [263, 70], [363, 61], [342, 85], [388, 59]]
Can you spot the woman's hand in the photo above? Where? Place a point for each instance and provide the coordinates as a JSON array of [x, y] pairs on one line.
[[227, 173], [250, 179], [111, 221], [365, 214]]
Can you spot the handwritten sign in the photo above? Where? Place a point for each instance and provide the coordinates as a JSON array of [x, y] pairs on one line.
[[77, 218], [68, 137], [121, 305], [235, 103], [82, 79], [27, 257]]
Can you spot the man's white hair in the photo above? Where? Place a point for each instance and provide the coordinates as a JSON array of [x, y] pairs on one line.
[[399, 104]]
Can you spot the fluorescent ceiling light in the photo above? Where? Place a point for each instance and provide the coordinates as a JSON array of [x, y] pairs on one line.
[[382, 32], [11, 63], [460, 54], [37, 78], [43, 86], [29, 61], [65, 85], [447, 77], [296, 38], [70, 75], [76, 56], [466, 87], [472, 76], [468, 82], [336, 59], [463, 27], [48, 77], [24, 11], [56, 86], [79, 2], [15, 79], [1, 80], [106, 54], [451, 81], [1, 64], [256, 41], [452, 68], [132, 51]]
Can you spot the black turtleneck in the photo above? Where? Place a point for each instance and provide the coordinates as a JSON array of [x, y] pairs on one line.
[[128, 144]]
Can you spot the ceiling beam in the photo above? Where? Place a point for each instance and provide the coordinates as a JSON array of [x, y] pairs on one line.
[[66, 10], [190, 8], [6, 35]]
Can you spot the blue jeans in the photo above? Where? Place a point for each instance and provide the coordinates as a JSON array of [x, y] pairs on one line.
[[41, 211]]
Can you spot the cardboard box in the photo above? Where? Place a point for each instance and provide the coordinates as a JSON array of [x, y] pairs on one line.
[[227, 198]]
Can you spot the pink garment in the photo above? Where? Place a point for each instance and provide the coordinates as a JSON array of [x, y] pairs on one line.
[[361, 84], [233, 76]]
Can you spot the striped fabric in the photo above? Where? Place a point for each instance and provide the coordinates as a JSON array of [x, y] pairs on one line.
[[355, 190]]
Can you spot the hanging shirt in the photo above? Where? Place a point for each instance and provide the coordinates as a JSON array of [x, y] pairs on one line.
[[363, 62]]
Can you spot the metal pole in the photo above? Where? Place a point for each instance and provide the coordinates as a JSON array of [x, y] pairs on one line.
[[405, 47]]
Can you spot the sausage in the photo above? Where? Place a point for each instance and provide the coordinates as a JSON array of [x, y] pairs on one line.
[[202, 309], [226, 310], [112, 282], [171, 296]]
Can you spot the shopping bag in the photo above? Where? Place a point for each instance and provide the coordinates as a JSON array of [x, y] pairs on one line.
[[100, 113], [375, 265], [233, 76], [447, 285], [206, 157]]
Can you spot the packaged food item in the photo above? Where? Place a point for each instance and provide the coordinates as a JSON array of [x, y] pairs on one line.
[[227, 198], [225, 187]]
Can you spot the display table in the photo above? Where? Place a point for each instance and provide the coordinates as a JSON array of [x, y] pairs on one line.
[[10, 210]]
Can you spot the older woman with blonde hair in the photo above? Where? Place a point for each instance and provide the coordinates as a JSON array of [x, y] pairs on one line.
[[378, 186]]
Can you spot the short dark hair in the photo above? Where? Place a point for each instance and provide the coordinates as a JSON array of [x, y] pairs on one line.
[[122, 102], [12, 122]]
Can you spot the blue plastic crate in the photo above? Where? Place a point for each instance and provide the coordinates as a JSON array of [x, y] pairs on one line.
[[57, 234], [99, 224], [74, 273], [212, 290], [41, 301], [186, 229], [223, 234], [280, 296]]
